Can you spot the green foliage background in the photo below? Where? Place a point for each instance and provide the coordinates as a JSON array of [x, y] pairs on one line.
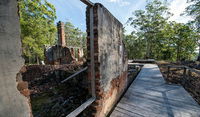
[[37, 28], [37, 19], [157, 38], [153, 36]]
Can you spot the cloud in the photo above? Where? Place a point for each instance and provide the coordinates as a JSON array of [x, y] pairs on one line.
[[177, 7], [120, 2]]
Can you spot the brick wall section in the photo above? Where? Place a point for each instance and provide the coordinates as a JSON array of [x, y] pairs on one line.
[[12, 103], [111, 63], [61, 34]]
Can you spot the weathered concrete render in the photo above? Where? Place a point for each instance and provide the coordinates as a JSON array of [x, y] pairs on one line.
[[12, 103], [110, 59]]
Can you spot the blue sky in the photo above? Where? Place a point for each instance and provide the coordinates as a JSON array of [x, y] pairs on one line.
[[74, 10]]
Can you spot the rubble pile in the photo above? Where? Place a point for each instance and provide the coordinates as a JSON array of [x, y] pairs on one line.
[[50, 97]]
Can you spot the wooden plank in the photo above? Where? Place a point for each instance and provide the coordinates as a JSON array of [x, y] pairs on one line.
[[176, 66], [75, 74], [150, 96], [128, 112], [193, 70], [88, 2], [81, 108], [117, 113], [180, 66]]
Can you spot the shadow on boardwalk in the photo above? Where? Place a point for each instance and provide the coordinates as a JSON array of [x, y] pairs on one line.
[[150, 96]]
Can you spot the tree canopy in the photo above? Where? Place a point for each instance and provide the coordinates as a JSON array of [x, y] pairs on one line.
[[37, 28], [155, 37], [74, 36], [194, 11]]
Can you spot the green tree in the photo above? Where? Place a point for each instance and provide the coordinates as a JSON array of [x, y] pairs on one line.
[[150, 22], [135, 45], [182, 40], [74, 36], [37, 28], [194, 11], [157, 37]]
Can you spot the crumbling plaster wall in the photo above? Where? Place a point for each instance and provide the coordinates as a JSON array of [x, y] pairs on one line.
[[110, 47], [12, 103], [110, 59]]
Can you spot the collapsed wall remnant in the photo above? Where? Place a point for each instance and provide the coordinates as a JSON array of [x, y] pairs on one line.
[[57, 55], [12, 103], [60, 53], [110, 59], [50, 96]]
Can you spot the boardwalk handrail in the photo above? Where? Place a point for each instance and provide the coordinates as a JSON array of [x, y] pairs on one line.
[[78, 110], [87, 103], [75, 74], [183, 67], [186, 67]]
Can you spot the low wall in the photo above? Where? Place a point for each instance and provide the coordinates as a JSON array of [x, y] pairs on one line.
[[110, 59]]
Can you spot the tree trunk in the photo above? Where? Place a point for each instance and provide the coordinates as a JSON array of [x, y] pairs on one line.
[[37, 59], [147, 51], [198, 59], [178, 54]]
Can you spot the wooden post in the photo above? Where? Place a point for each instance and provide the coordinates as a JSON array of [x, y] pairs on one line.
[[189, 73], [184, 76], [88, 3], [168, 71]]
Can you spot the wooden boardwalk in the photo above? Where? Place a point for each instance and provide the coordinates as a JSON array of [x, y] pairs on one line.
[[150, 96]]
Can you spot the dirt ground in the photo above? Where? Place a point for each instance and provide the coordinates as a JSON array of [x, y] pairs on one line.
[[51, 98], [191, 82]]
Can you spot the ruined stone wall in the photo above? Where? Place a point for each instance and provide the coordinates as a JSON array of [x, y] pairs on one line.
[[12, 103], [110, 59], [57, 55]]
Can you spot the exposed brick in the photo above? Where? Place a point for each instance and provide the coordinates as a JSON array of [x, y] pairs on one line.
[[109, 83], [25, 92], [22, 85]]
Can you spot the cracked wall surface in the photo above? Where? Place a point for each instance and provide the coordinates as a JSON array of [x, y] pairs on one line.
[[12, 103], [110, 59]]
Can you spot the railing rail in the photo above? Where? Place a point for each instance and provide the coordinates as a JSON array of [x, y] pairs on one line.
[[75, 74], [78, 110], [87, 103], [184, 67], [187, 72]]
